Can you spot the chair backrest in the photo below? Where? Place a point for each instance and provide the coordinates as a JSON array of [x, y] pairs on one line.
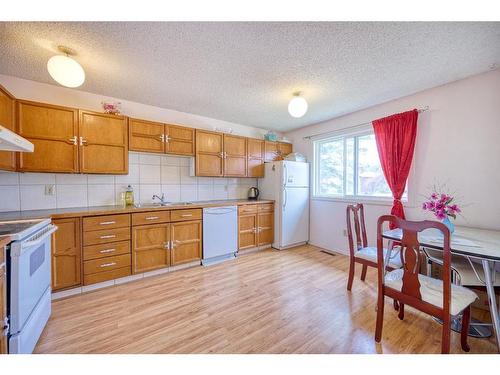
[[355, 213], [411, 255]]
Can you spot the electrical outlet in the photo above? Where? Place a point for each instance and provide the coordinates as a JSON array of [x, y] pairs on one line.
[[50, 189]]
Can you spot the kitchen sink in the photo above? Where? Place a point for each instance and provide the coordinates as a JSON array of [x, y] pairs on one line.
[[165, 204]]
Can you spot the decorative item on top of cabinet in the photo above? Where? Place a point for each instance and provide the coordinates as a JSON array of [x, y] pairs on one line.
[[7, 120], [255, 153], [104, 143], [209, 153], [235, 156], [54, 132], [66, 254]]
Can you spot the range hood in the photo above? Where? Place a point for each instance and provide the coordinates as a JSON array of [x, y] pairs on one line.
[[10, 141]]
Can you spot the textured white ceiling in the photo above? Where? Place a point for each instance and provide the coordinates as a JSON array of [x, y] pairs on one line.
[[247, 72]]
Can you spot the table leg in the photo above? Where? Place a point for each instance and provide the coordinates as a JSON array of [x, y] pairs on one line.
[[487, 267]]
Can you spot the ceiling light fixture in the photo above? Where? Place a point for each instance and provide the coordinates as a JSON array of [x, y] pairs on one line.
[[297, 107], [65, 70]]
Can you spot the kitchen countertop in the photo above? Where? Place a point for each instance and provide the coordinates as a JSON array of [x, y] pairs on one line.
[[60, 213]]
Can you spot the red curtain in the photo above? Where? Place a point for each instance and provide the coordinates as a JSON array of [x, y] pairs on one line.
[[395, 136]]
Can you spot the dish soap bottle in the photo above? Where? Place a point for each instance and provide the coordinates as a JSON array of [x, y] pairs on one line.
[[129, 196]]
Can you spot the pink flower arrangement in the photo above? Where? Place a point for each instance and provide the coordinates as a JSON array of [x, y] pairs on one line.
[[111, 108], [441, 205]]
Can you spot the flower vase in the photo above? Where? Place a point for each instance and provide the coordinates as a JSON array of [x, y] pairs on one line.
[[446, 221]]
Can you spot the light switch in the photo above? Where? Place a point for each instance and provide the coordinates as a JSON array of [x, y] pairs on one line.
[[50, 189]]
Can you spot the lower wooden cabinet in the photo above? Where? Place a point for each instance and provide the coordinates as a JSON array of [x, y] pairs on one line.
[[186, 241], [255, 225], [66, 254], [150, 247]]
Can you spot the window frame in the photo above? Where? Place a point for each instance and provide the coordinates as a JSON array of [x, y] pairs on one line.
[[344, 134]]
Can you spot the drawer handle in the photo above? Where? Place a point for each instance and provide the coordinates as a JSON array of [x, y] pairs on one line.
[[107, 222], [187, 215], [152, 217], [107, 264], [107, 251], [108, 236]]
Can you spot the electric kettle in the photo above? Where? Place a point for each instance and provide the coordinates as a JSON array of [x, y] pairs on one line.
[[253, 193]]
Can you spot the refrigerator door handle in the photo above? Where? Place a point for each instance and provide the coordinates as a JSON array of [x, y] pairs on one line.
[[284, 197], [285, 174]]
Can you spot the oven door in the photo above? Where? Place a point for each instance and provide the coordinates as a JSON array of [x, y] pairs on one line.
[[29, 275]]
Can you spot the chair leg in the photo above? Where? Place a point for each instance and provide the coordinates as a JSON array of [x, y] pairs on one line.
[[445, 340], [380, 319], [465, 329], [396, 305], [351, 275], [401, 314], [363, 272]]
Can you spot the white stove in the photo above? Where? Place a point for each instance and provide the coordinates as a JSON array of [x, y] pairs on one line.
[[28, 281]]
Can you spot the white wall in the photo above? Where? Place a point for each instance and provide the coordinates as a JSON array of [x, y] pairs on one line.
[[148, 173], [458, 144]]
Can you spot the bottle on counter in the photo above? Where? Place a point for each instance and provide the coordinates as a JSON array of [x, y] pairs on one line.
[[129, 196]]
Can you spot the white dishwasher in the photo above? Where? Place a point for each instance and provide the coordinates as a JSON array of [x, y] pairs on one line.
[[220, 234]]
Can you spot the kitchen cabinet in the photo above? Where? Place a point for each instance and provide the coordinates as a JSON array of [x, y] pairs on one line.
[[149, 136], [66, 254], [7, 112], [186, 241], [209, 153], [284, 148], [150, 247], [255, 157], [235, 156], [54, 132], [3, 301], [271, 151], [255, 225], [103, 143]]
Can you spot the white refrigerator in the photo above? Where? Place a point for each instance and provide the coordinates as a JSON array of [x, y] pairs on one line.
[[287, 183]]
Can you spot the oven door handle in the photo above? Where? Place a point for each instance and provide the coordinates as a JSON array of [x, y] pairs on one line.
[[51, 228]]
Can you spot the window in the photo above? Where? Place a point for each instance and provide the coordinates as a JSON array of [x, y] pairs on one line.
[[348, 166]]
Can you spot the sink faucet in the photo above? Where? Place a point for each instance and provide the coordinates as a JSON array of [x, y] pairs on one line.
[[161, 199]]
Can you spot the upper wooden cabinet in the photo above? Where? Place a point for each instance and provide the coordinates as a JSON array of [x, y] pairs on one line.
[[255, 161], [66, 254], [146, 136], [284, 148], [179, 140], [7, 111], [209, 153], [156, 137], [103, 143], [271, 151], [235, 156], [54, 132]]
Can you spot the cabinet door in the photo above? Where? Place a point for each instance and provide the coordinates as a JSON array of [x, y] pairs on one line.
[[7, 110], [179, 140], [265, 228], [103, 143], [66, 254], [209, 147], [235, 156], [284, 149], [186, 241], [271, 151], [54, 131], [255, 163], [247, 231], [150, 247], [146, 136]]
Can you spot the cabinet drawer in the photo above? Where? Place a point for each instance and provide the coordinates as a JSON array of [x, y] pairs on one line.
[[105, 222], [154, 217], [106, 264], [247, 209], [181, 215], [266, 207], [105, 236], [106, 275], [106, 250]]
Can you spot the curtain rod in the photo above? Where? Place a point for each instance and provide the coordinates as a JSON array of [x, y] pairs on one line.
[[426, 108]]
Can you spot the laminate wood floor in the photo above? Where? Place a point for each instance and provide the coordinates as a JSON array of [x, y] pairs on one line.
[[292, 301]]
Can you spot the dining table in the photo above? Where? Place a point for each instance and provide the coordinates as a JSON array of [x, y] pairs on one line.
[[478, 245]]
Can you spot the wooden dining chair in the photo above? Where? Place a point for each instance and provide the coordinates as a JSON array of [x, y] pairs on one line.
[[360, 252], [439, 298]]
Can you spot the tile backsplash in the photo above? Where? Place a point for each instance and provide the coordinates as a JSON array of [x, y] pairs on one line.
[[148, 174]]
